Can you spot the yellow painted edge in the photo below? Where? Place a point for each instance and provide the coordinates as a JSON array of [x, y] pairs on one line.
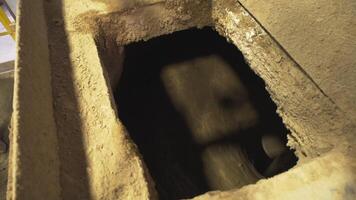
[[7, 23]]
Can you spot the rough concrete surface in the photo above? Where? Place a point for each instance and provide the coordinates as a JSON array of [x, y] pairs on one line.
[[326, 181], [68, 143], [304, 108], [33, 153], [318, 35]]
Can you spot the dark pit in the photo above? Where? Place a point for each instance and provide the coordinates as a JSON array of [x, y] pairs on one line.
[[198, 115]]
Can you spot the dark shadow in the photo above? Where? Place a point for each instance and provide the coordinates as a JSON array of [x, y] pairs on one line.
[[161, 134], [269, 121], [173, 157], [6, 96], [74, 179]]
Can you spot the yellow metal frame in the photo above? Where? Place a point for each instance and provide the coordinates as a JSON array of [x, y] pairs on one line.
[[10, 28]]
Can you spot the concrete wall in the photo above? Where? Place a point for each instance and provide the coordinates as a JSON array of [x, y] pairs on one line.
[[67, 142], [33, 156], [318, 179], [313, 118], [320, 35]]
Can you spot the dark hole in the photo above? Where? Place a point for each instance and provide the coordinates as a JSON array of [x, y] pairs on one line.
[[197, 113]]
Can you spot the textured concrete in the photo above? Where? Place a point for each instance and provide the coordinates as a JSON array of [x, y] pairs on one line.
[[33, 113], [68, 142], [318, 179], [320, 35], [312, 117]]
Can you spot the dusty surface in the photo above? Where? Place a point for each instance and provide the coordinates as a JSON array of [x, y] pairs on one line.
[[97, 159], [33, 160], [319, 35], [127, 24], [312, 117], [68, 141], [318, 179]]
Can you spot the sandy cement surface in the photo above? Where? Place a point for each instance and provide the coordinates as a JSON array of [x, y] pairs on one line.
[[83, 151]]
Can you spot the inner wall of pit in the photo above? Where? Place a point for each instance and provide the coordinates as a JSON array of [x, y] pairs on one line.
[[39, 102], [312, 134], [197, 113]]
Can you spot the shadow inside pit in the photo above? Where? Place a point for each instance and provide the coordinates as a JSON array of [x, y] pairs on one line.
[[161, 130]]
